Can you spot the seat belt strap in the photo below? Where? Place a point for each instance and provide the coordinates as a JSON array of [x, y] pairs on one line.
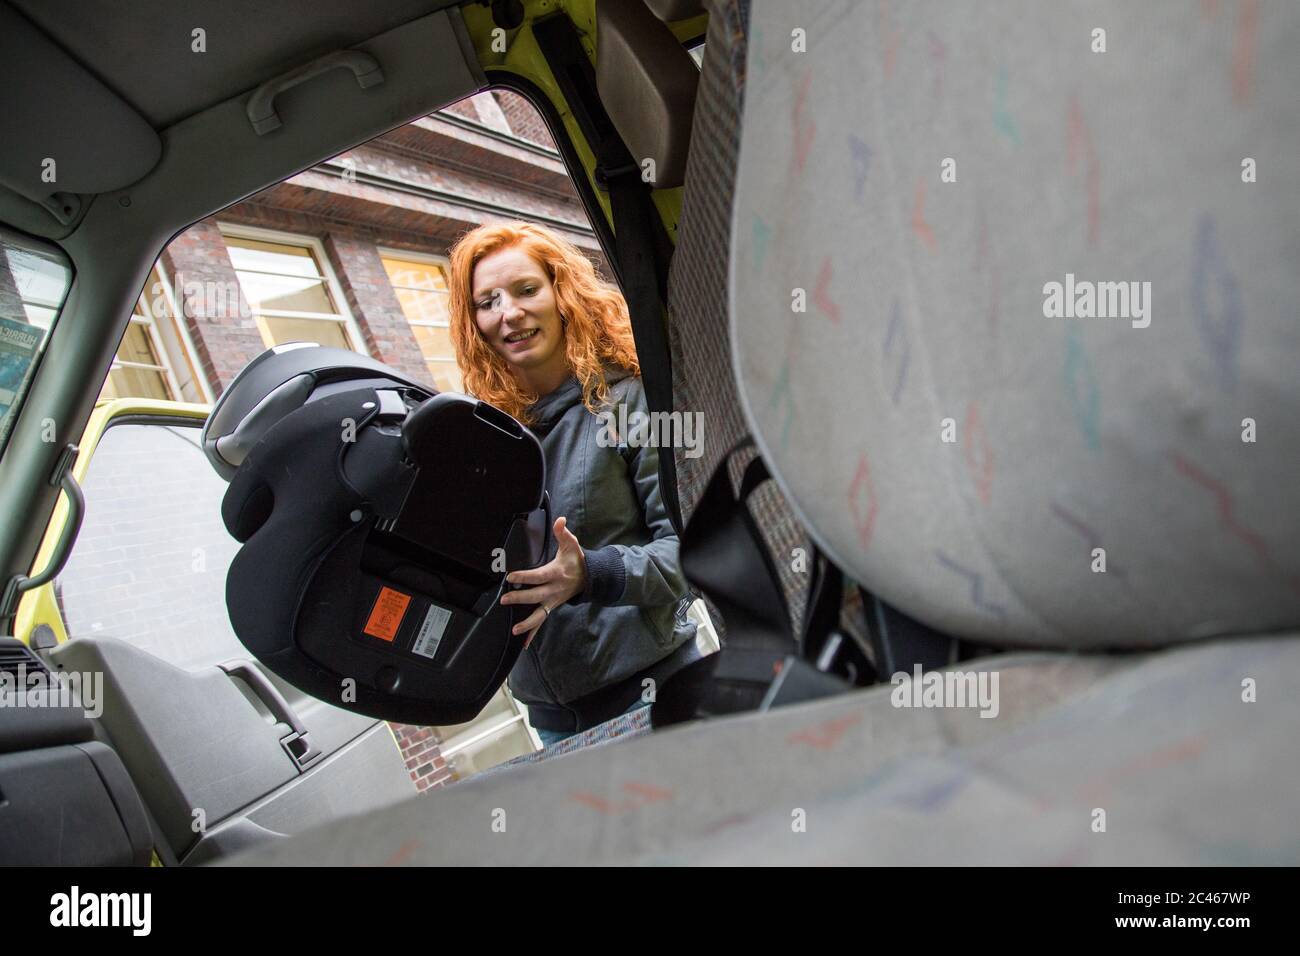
[[634, 236], [724, 554], [642, 246]]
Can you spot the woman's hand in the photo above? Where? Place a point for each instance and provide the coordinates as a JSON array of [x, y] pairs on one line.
[[552, 584]]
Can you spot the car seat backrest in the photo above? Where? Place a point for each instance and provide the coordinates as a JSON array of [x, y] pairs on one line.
[[1014, 307], [703, 383]]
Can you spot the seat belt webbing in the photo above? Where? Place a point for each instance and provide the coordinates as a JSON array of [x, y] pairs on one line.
[[633, 234], [723, 553]]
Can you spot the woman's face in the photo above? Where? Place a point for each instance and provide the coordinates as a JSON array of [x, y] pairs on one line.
[[515, 309]]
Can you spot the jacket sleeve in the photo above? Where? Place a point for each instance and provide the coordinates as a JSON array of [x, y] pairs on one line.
[[642, 575]]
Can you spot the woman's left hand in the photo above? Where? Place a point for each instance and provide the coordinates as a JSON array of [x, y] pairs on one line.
[[552, 584]]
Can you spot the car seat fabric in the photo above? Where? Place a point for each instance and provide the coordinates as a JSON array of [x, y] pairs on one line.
[[877, 309], [617, 729], [1161, 739]]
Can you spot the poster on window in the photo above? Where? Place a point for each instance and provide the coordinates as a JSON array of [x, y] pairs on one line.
[[18, 344]]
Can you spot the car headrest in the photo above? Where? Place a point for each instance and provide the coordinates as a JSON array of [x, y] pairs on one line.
[[377, 525], [1014, 313], [647, 82], [277, 382]]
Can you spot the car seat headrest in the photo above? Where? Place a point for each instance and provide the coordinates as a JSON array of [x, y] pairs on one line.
[[1012, 320], [378, 523], [275, 383], [647, 82]]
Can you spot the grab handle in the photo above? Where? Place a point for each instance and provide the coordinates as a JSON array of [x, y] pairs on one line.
[[21, 583], [261, 107], [297, 743]]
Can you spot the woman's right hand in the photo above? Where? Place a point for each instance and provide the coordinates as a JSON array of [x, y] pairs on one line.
[[552, 584]]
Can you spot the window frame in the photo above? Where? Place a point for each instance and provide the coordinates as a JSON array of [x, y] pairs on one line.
[[160, 340], [184, 340], [151, 334], [427, 258], [352, 330]]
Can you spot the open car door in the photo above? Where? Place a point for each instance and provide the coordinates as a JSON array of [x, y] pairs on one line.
[[224, 754]]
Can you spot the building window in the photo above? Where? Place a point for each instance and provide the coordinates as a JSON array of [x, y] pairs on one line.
[[421, 286], [293, 298], [137, 369], [153, 361]]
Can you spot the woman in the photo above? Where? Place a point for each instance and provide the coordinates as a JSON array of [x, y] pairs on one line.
[[540, 336]]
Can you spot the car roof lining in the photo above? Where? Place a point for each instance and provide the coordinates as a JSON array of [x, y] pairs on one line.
[[148, 60]]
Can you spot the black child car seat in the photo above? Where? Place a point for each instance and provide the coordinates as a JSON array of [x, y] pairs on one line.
[[378, 520]]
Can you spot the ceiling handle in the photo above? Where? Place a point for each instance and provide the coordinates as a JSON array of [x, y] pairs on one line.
[[261, 106]]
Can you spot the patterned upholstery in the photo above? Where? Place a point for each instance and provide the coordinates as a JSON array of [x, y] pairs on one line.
[[1187, 772], [929, 309], [697, 295], [622, 727]]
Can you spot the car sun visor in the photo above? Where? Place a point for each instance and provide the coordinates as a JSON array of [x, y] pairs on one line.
[[378, 521], [65, 132]]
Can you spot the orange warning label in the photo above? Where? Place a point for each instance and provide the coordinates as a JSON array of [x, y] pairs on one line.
[[386, 616]]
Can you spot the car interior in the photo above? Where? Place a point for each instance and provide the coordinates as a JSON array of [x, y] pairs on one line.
[[909, 466]]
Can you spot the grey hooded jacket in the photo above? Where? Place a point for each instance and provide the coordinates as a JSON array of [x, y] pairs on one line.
[[633, 611]]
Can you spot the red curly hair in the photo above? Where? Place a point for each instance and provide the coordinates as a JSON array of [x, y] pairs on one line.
[[597, 328]]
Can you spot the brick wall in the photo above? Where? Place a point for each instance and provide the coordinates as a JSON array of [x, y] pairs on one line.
[[463, 108], [482, 185], [423, 759], [525, 121], [227, 338]]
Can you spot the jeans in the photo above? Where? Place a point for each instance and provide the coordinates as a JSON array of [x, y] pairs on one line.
[[550, 737]]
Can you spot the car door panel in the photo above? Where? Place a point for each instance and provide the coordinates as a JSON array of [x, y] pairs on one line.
[[209, 737]]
